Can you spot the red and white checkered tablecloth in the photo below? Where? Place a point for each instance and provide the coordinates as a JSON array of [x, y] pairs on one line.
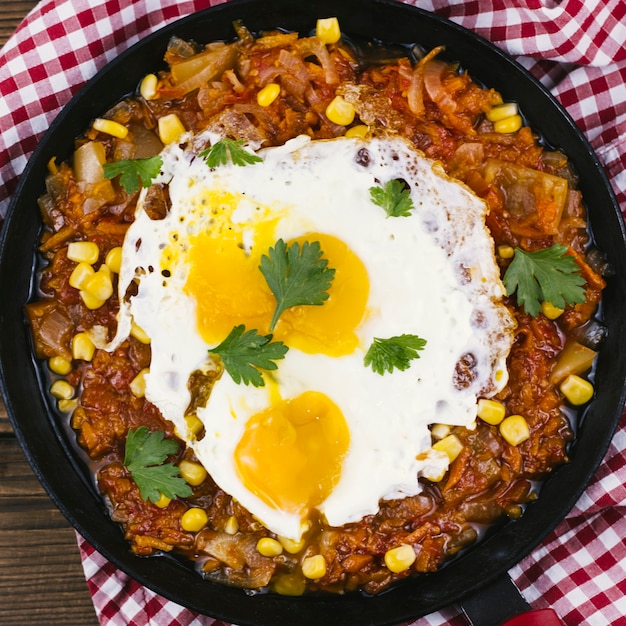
[[577, 48]]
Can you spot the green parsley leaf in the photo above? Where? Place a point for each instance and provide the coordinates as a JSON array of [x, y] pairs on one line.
[[396, 352], [394, 197], [245, 353], [296, 275], [134, 172], [144, 456], [548, 275], [219, 152]]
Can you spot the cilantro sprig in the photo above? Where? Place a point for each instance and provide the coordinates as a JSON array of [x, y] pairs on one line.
[[394, 197], [134, 172], [297, 275], [385, 355], [144, 456], [244, 353], [548, 275], [220, 152]]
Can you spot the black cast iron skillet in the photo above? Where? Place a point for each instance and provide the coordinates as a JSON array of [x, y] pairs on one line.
[[47, 442]]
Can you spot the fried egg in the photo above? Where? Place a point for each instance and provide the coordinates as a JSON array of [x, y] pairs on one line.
[[325, 435]]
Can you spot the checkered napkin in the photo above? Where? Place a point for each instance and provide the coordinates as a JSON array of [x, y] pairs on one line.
[[575, 47]]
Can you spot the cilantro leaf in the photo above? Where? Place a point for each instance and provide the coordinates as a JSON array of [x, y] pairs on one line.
[[144, 455], [394, 197], [296, 275], [395, 352], [245, 353], [134, 172], [548, 275], [219, 152]]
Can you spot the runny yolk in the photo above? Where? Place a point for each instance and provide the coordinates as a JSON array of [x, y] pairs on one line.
[[310, 437]]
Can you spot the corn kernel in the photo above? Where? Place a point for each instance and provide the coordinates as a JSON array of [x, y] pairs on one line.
[[451, 445], [148, 87], [170, 128], [291, 545], [288, 585], [399, 559], [328, 30], [502, 111], [439, 431], [232, 526], [80, 275], [52, 165], [138, 384], [508, 124], [67, 405], [551, 311], [139, 333], [434, 477], [61, 389], [490, 411], [99, 285], [577, 390], [506, 252], [163, 501], [515, 430], [314, 567], [83, 252], [194, 519], [193, 473], [82, 347], [340, 111], [357, 132], [269, 547], [110, 127], [113, 259], [194, 424], [90, 301], [60, 365], [268, 94]]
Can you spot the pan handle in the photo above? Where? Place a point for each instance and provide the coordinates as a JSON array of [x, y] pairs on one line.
[[501, 604]]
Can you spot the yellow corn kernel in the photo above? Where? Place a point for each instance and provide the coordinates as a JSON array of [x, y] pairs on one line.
[[288, 584], [193, 473], [100, 285], [52, 165], [439, 431], [451, 445], [163, 501], [514, 429], [506, 252], [268, 94], [89, 300], [113, 259], [232, 526], [110, 127], [61, 389], [291, 545], [80, 275], [399, 559], [170, 128], [82, 347], [194, 519], [551, 311], [67, 405], [432, 477], [60, 365], [83, 252], [328, 30], [194, 424], [314, 567], [138, 384], [577, 390], [508, 124], [148, 87], [357, 132], [269, 547], [502, 111], [340, 111], [490, 411], [139, 333]]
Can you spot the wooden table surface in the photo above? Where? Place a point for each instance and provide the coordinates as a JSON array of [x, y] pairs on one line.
[[41, 577]]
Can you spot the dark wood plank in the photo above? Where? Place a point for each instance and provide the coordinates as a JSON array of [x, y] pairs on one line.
[[11, 14]]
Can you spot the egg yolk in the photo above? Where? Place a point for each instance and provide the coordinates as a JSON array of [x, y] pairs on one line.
[[229, 288], [310, 437]]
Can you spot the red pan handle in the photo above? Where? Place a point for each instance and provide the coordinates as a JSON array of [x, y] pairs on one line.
[[541, 617]]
